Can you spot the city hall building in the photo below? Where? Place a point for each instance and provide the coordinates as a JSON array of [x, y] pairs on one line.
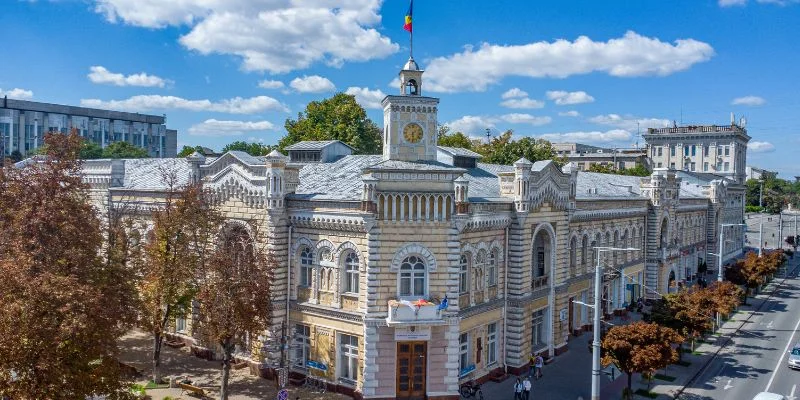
[[407, 273]]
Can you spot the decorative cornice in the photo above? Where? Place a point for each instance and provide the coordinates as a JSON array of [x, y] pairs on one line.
[[481, 308], [331, 220], [529, 297], [487, 222], [327, 312], [596, 215]]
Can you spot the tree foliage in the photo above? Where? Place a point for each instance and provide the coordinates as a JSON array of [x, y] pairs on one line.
[[640, 347], [66, 298], [777, 194], [180, 242], [504, 150], [456, 139], [337, 118], [254, 149], [186, 151], [235, 294], [725, 296], [638, 170], [124, 150]]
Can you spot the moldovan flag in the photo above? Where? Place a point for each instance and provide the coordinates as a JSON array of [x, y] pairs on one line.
[[407, 25]]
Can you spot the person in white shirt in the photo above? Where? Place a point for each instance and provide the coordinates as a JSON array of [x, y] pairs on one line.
[[526, 389], [518, 390]]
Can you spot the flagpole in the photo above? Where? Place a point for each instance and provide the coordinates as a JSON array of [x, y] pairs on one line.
[[411, 40]]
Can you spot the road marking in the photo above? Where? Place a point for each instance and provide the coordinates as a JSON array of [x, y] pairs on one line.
[[728, 385], [769, 325], [791, 394], [780, 359]]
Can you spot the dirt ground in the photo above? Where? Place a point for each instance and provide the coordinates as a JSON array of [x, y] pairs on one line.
[[136, 351]]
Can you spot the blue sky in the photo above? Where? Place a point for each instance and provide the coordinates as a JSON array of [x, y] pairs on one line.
[[569, 70]]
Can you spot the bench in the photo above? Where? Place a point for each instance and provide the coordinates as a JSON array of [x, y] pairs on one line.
[[185, 387]]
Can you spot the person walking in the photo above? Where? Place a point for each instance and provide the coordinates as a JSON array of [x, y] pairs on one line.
[[538, 363], [526, 388], [518, 390]]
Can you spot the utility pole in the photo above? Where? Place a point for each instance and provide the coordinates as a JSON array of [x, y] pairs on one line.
[[780, 229], [760, 217]]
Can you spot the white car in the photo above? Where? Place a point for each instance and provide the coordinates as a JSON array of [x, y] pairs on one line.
[[769, 396]]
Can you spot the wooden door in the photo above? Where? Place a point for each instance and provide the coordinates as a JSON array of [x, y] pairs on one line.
[[411, 369]]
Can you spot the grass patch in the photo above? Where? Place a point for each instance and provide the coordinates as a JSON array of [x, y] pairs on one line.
[[665, 377], [153, 385], [646, 393], [683, 363], [697, 353]]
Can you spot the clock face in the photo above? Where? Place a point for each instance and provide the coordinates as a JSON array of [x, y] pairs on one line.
[[412, 133]]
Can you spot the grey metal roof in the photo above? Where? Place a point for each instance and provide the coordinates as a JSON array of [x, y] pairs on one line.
[[155, 173], [247, 158], [459, 151], [339, 180], [606, 186], [414, 166], [315, 145], [484, 184]]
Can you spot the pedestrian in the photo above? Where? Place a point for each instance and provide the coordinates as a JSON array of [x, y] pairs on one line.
[[518, 390], [526, 388], [538, 363]]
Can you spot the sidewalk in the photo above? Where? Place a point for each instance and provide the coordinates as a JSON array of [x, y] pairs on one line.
[[568, 377]]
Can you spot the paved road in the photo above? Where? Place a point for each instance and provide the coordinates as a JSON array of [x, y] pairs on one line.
[[755, 359], [771, 235]]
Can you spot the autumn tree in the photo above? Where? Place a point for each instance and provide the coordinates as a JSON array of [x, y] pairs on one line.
[[725, 297], [235, 294], [640, 347], [175, 249], [66, 297], [337, 118], [692, 310]]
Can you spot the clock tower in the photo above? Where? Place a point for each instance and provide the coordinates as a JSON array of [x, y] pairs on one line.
[[409, 120]]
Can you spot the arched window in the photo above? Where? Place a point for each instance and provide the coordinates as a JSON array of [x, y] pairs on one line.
[[463, 274], [480, 265], [585, 251], [492, 268], [306, 266], [326, 269], [351, 273], [412, 276], [616, 244], [573, 248]]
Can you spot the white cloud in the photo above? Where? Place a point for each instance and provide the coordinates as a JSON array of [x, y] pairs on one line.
[[99, 74], [628, 56], [17, 93], [312, 84], [268, 35], [269, 84], [516, 118], [563, 98], [367, 98], [471, 125], [760, 147], [598, 137], [628, 122], [729, 3], [236, 105], [514, 93], [571, 113], [522, 103], [748, 101], [213, 127]]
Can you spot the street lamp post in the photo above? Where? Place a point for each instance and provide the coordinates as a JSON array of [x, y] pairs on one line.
[[598, 280], [760, 216]]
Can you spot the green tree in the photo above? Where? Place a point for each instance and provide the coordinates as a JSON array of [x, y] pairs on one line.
[[503, 150], [90, 150], [337, 118], [124, 150], [254, 149], [456, 139], [186, 151], [638, 170]]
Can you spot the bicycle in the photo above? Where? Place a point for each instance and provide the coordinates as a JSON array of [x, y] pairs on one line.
[[471, 389]]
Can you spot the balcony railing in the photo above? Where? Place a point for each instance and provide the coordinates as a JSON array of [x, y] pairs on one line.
[[418, 312], [539, 282]]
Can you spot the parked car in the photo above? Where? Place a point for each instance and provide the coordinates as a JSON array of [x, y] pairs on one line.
[[794, 357]]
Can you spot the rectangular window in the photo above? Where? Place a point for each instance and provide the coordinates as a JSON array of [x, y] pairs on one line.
[[686, 151], [463, 352], [348, 363], [538, 330], [719, 150], [727, 165], [705, 151], [180, 324], [705, 166], [463, 275], [692, 168], [672, 150], [694, 150], [727, 150], [492, 269], [302, 344], [659, 165], [672, 165], [491, 344], [660, 152]]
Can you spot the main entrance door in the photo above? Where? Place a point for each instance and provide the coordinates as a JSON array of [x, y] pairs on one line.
[[411, 366]]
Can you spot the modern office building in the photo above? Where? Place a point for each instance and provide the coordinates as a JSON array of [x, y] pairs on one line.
[[721, 150], [23, 125], [584, 156]]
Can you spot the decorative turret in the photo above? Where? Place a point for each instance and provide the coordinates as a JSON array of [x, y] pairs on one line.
[[522, 174], [195, 160], [275, 170], [368, 195], [462, 195], [411, 79]]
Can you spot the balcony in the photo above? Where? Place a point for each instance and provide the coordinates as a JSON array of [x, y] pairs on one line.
[[539, 282], [418, 312]]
